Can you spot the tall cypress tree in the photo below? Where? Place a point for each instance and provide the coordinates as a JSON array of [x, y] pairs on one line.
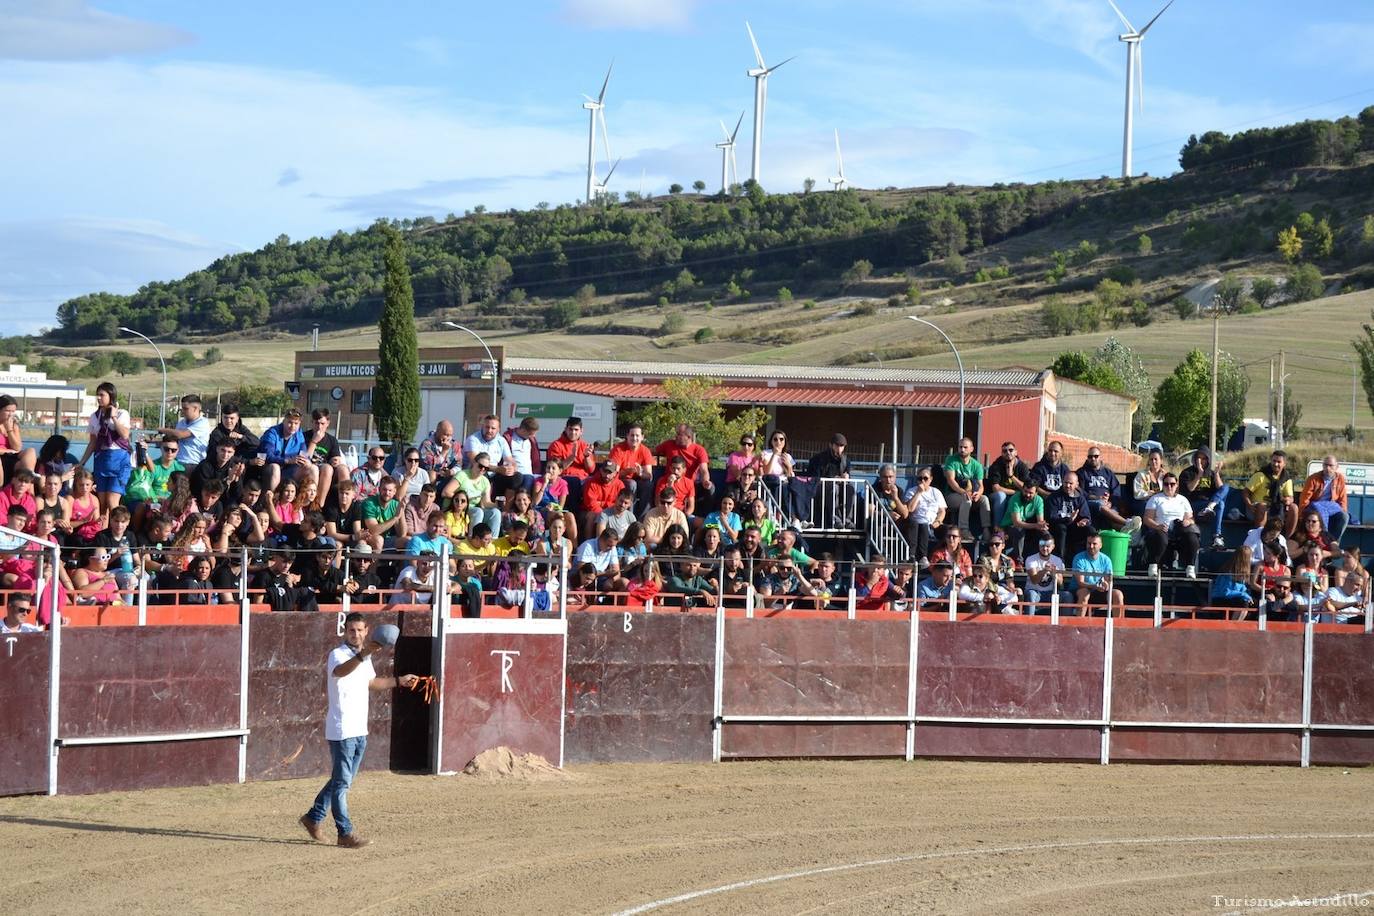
[[396, 398]]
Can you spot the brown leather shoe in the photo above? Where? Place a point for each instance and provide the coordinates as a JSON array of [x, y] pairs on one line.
[[352, 841], [312, 828]]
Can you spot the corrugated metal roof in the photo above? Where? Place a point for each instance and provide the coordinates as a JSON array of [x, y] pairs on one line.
[[794, 395], [1002, 378]]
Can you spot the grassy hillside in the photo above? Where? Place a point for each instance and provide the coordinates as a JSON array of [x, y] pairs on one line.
[[828, 279]]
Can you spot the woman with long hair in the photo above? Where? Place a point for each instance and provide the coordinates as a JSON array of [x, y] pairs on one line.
[[520, 507], [12, 452], [55, 458], [109, 446]]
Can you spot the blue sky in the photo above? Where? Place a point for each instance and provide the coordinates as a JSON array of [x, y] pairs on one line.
[[145, 138]]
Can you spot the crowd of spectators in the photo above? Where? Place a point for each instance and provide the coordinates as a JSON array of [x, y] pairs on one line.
[[197, 510]]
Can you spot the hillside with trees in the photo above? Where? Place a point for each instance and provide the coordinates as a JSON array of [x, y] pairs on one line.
[[542, 268]]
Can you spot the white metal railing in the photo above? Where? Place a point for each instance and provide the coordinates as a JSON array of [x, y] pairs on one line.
[[885, 537], [836, 506]]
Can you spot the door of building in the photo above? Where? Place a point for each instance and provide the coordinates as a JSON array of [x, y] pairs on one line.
[[442, 404]]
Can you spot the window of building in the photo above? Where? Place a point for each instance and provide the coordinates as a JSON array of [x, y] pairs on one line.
[[362, 402]]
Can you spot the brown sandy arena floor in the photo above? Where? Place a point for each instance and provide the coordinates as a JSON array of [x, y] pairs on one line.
[[614, 837]]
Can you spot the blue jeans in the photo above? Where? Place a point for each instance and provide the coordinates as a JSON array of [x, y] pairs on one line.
[[347, 756], [1218, 504]]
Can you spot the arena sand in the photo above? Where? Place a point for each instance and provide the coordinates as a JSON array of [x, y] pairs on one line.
[[970, 838]]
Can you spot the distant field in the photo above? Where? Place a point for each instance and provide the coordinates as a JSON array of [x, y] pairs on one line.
[[1316, 336]]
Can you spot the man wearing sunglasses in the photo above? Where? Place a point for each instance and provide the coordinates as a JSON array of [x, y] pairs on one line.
[[1103, 490], [368, 477], [19, 615], [1005, 476]]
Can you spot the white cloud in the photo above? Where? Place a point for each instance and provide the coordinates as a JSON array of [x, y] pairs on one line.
[[640, 15], [46, 261], [1345, 42], [288, 177], [74, 30]]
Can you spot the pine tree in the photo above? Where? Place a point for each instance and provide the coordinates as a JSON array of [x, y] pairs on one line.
[[396, 398]]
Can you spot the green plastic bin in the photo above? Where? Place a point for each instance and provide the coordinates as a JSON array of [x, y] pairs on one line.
[[1116, 545]]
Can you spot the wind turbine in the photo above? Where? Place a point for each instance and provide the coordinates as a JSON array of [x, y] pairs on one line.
[[839, 181], [599, 187], [760, 77], [729, 169], [1135, 79], [596, 108]]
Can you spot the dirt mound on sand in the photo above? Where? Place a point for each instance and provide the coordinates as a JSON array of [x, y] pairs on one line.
[[503, 763]]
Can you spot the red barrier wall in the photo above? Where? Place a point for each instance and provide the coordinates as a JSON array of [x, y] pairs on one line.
[[1024, 672], [815, 667], [640, 687], [1206, 676], [1342, 694], [492, 699], [121, 681], [24, 661], [287, 703]]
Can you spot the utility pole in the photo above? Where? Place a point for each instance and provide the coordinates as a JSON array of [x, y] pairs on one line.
[[1269, 401], [1282, 378], [1354, 383], [1216, 342]]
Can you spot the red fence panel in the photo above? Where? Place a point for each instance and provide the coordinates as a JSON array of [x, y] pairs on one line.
[[24, 659], [640, 687]]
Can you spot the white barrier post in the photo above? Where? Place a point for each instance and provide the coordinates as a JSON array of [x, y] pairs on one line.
[[1054, 608], [244, 617], [953, 602], [54, 668], [912, 654], [853, 604], [563, 581], [1159, 611], [347, 601], [718, 687], [1307, 648], [142, 597], [1108, 640]]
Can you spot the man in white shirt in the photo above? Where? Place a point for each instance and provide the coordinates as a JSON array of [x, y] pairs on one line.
[[17, 611], [350, 676], [1045, 576], [601, 553], [1168, 518], [488, 439], [192, 432]]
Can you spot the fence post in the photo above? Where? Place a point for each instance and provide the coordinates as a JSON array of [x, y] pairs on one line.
[[54, 669], [244, 618], [912, 656], [852, 606], [1307, 649], [1054, 608], [953, 601], [1108, 640], [142, 597]]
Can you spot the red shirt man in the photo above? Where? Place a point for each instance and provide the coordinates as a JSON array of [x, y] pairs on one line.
[[572, 452], [600, 491], [632, 456], [682, 485], [685, 444]]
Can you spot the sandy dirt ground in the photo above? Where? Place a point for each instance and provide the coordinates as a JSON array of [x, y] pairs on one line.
[[853, 837]]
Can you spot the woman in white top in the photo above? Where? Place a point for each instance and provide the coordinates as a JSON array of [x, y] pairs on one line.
[[926, 509], [1168, 519], [1255, 538], [109, 445], [777, 470]]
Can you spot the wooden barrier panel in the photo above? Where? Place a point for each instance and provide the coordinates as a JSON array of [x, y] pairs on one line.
[[1343, 694], [502, 686], [287, 702], [1009, 672], [639, 687], [815, 668], [134, 681], [24, 660], [1207, 676]]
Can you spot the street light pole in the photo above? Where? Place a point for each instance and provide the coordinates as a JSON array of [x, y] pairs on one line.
[[957, 358], [1216, 349], [495, 368], [162, 409]]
